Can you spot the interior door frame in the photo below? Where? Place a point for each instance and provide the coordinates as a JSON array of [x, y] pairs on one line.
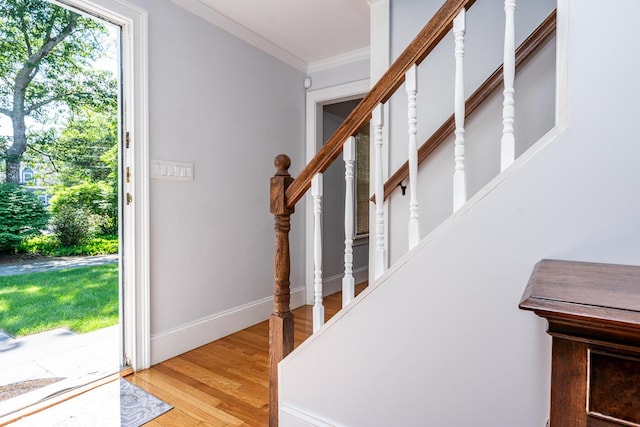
[[316, 99], [134, 258]]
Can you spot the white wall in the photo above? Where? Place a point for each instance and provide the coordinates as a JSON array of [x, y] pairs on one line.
[[440, 340], [230, 109]]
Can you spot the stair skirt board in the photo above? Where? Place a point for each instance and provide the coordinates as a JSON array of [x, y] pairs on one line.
[[292, 417], [333, 284], [188, 336]]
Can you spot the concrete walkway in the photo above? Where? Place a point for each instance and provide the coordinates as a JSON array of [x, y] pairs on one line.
[[56, 263], [75, 359], [58, 353]]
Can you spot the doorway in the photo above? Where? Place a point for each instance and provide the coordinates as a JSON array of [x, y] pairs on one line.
[[123, 169], [326, 109], [333, 213]]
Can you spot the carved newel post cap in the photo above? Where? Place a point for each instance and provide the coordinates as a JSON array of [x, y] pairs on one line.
[[282, 163]]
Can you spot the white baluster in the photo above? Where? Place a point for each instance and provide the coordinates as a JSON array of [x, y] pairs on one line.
[[348, 282], [318, 308], [507, 145], [411, 84], [381, 249], [459, 175]]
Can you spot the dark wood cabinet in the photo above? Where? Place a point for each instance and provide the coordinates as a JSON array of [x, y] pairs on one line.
[[593, 312]]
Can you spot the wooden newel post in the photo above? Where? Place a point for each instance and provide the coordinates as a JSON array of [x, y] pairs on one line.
[[281, 321]]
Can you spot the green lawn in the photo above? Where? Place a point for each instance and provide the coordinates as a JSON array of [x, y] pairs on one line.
[[81, 299]]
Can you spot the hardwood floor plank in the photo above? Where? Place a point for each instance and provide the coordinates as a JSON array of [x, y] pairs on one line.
[[242, 374], [190, 399], [226, 382], [231, 405], [175, 418], [245, 393], [204, 375], [198, 406]]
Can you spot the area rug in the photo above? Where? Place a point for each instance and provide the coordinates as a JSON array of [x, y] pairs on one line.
[[138, 407]]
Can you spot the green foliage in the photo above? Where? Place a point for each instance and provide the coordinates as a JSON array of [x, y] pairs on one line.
[[75, 226], [44, 244], [61, 73], [50, 245], [21, 215], [92, 200], [81, 299], [110, 158], [101, 245], [81, 152], [88, 195], [4, 143], [46, 71]]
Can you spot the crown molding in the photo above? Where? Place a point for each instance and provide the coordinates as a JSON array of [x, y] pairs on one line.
[[339, 60], [227, 24]]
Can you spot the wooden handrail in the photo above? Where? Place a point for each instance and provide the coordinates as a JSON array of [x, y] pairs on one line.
[[415, 53], [532, 45]]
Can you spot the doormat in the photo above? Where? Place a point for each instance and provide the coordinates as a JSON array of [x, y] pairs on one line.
[[138, 406], [117, 403]]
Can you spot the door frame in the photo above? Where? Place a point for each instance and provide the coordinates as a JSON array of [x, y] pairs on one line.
[[134, 255], [316, 99]]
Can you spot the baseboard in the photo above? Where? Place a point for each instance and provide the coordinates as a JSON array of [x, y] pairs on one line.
[[294, 417], [333, 284], [181, 339]]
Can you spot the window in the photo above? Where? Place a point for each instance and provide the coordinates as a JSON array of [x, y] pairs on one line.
[[27, 175], [362, 183]]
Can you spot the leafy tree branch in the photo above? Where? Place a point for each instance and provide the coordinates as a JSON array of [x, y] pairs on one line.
[[45, 62]]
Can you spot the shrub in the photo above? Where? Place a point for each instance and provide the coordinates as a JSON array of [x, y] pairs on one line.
[[75, 226], [21, 215], [50, 245], [45, 244], [94, 198], [102, 245]]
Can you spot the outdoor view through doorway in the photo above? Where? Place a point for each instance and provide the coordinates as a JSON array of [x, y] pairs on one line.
[[60, 193]]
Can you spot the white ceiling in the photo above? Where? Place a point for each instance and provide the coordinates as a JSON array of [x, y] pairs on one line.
[[307, 34]]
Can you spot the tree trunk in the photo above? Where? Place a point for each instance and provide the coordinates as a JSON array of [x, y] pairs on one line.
[[16, 149]]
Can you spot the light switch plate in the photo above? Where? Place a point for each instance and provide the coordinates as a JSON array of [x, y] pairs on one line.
[[173, 171]]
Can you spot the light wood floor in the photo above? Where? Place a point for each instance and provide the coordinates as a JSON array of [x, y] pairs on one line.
[[224, 383]]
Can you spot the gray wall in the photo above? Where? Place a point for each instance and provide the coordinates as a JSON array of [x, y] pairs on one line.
[[347, 73], [535, 98], [230, 109]]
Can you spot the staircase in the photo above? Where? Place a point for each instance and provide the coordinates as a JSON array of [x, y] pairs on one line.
[[438, 339]]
